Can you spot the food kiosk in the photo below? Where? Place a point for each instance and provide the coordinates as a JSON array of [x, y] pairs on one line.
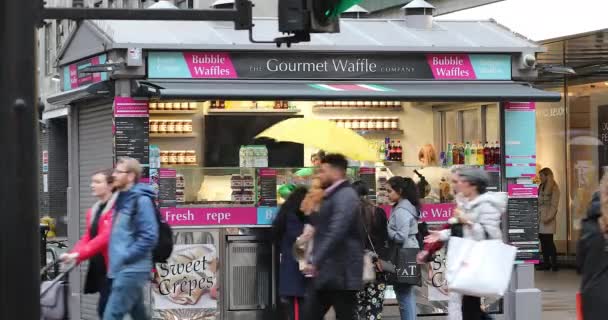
[[188, 98]]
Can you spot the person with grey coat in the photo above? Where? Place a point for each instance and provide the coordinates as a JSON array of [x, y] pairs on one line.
[[402, 230], [481, 216], [336, 262]]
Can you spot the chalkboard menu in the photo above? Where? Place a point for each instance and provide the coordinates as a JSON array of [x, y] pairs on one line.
[[368, 176], [167, 187], [522, 218], [131, 130], [267, 187]]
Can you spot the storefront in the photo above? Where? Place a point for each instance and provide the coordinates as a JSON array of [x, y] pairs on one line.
[[575, 126], [188, 106]]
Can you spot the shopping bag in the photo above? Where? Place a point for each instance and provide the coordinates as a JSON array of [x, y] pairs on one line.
[[479, 268], [579, 306], [407, 270]]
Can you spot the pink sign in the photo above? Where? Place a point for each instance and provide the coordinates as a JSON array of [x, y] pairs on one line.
[[451, 66], [78, 79], [433, 213], [129, 107], [209, 216], [523, 106], [167, 173], [522, 190], [210, 65]]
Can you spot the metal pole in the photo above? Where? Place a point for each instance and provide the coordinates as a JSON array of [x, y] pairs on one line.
[[19, 239]]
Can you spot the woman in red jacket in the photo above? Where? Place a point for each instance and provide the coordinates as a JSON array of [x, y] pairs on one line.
[[93, 245]]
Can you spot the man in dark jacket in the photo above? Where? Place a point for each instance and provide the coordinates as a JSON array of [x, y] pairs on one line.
[[592, 261], [337, 257]]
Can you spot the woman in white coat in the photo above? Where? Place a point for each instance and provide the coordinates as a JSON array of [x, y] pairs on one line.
[[481, 217], [548, 203]]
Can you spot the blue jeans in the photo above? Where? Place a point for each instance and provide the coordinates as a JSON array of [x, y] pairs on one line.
[[407, 301], [127, 297]]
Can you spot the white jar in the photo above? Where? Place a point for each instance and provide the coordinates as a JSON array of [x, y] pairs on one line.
[[395, 123]]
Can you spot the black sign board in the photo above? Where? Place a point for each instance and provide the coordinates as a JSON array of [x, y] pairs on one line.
[[522, 217], [267, 187], [131, 131], [167, 188]]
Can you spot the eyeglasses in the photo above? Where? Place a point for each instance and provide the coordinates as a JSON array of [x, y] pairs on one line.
[[120, 171]]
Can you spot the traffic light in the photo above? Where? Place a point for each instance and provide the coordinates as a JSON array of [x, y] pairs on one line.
[[312, 16]]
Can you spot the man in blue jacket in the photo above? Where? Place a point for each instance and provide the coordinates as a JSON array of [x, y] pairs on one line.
[[134, 236]]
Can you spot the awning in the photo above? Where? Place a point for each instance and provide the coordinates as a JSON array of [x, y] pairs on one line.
[[307, 90], [100, 89]]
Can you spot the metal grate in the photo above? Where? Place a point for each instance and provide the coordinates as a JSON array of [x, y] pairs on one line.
[[250, 276]]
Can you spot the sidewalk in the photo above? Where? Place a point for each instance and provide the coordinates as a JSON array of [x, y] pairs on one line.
[[558, 295]]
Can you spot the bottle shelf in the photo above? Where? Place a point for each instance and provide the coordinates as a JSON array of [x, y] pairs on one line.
[[252, 111], [379, 132], [172, 135], [173, 111], [322, 108]]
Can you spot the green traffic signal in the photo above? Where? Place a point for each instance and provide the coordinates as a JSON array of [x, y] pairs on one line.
[[333, 8], [344, 5]]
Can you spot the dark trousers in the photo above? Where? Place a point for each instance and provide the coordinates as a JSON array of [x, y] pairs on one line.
[[471, 308], [104, 292], [318, 303], [549, 250]]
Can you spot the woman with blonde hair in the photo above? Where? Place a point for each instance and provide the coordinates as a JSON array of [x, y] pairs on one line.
[[592, 256], [548, 204], [427, 155]]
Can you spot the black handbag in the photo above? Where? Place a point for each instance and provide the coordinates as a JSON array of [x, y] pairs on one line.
[[406, 267]]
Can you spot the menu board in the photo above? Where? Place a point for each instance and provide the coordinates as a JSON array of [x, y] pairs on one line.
[[368, 176], [267, 187], [522, 218], [520, 139], [131, 131], [167, 187]]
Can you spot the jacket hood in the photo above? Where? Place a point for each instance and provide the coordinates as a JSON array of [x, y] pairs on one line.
[[407, 205], [142, 189], [496, 199], [595, 210]]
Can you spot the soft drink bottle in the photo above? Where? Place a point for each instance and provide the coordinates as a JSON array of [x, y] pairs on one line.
[[449, 156]]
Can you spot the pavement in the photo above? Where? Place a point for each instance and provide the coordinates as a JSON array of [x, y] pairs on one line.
[[558, 296]]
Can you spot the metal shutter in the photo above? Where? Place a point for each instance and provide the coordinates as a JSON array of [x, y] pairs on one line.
[[95, 148]]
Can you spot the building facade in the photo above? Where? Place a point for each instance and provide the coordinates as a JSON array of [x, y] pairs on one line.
[[572, 135]]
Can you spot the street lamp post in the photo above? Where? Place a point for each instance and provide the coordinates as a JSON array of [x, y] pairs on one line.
[[19, 238]]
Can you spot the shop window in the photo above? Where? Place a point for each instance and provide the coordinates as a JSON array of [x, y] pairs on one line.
[[551, 153], [587, 148], [467, 123]]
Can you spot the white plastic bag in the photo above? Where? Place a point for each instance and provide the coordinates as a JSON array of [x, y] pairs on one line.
[[479, 268]]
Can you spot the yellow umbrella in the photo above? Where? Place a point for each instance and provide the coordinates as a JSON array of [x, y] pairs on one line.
[[322, 134]]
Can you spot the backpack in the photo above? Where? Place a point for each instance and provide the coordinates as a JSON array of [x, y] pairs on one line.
[[164, 246]]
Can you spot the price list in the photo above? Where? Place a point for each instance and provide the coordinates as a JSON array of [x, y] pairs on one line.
[[267, 187], [167, 188], [522, 215]]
